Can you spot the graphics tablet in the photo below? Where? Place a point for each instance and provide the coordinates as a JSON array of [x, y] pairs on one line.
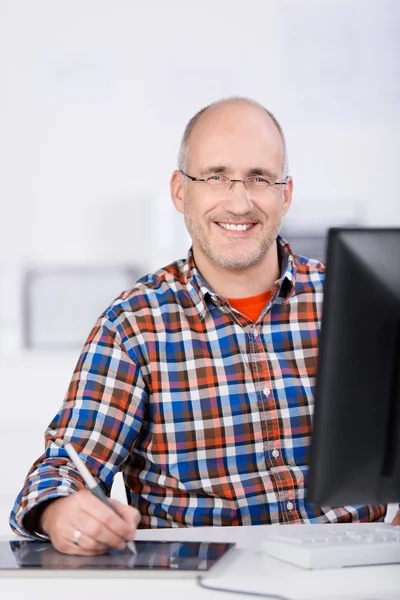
[[163, 559]]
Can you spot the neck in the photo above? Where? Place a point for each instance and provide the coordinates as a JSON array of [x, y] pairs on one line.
[[240, 283]]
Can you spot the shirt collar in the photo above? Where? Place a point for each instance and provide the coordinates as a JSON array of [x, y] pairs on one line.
[[286, 282], [201, 292]]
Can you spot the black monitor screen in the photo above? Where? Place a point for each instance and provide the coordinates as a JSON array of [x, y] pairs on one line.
[[355, 450]]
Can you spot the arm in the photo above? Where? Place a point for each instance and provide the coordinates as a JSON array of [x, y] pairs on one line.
[[102, 414]]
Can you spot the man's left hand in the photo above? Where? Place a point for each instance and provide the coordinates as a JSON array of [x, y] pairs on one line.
[[396, 520]]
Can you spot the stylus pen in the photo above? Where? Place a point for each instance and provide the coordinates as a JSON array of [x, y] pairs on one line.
[[91, 483]]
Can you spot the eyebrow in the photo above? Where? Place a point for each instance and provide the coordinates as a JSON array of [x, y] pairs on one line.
[[249, 173], [214, 169], [260, 171]]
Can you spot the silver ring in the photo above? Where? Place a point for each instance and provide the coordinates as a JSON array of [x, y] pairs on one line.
[[76, 537]]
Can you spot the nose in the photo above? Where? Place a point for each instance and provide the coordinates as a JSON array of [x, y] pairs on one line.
[[238, 198]]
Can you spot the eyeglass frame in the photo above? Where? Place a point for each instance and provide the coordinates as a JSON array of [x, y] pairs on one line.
[[231, 181]]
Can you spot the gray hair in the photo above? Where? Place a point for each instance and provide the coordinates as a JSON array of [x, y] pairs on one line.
[[183, 150]]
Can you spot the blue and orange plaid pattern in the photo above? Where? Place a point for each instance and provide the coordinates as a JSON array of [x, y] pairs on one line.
[[207, 414]]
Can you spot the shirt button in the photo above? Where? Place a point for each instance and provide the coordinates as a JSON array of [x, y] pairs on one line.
[[266, 391], [290, 505], [275, 453]]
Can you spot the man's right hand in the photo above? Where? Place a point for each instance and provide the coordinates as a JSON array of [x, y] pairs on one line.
[[101, 528]]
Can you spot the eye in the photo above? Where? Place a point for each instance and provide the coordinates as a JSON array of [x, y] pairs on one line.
[[259, 181], [216, 180]]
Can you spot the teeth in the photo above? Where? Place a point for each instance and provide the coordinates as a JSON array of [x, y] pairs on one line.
[[232, 227]]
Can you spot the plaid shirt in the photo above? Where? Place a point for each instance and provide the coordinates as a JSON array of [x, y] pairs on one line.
[[207, 414]]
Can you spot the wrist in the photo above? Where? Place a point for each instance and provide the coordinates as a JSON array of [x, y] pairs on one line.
[[45, 516], [34, 521]]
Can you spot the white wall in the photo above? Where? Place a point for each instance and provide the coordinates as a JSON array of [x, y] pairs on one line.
[[94, 97]]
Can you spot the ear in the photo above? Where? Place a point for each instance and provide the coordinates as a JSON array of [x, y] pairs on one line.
[[287, 196], [177, 191]]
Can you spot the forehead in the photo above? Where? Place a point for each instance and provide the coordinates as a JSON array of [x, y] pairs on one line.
[[240, 136]]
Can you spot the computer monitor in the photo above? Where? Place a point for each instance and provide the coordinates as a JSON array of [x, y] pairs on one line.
[[355, 447]]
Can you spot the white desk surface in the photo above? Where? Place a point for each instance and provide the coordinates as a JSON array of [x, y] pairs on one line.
[[247, 569]]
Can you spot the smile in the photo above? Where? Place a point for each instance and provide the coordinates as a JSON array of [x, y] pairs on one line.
[[237, 227]]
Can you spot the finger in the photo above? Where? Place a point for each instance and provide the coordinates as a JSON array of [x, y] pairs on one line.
[[99, 533], [128, 513], [396, 520], [88, 546], [84, 547], [95, 508]]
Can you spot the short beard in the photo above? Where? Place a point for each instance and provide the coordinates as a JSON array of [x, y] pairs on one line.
[[246, 260]]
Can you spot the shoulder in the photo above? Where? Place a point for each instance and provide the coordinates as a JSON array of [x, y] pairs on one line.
[[309, 270], [151, 292]]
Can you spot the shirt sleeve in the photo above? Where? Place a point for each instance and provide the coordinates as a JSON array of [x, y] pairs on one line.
[[101, 415]]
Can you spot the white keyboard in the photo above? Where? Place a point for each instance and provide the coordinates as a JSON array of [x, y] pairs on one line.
[[335, 545]]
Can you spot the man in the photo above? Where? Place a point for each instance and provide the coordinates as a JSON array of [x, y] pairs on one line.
[[198, 382]]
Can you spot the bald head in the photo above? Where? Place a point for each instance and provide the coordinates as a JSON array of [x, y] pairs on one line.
[[226, 115]]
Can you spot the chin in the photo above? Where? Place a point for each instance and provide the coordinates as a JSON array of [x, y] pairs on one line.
[[235, 263]]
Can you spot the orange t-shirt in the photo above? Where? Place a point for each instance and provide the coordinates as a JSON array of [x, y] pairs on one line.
[[252, 306]]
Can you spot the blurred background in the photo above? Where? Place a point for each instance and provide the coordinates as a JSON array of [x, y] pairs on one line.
[[94, 97]]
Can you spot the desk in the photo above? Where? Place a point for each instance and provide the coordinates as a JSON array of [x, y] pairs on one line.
[[249, 570]]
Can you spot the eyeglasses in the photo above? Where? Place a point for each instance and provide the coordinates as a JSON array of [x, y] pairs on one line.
[[222, 183]]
